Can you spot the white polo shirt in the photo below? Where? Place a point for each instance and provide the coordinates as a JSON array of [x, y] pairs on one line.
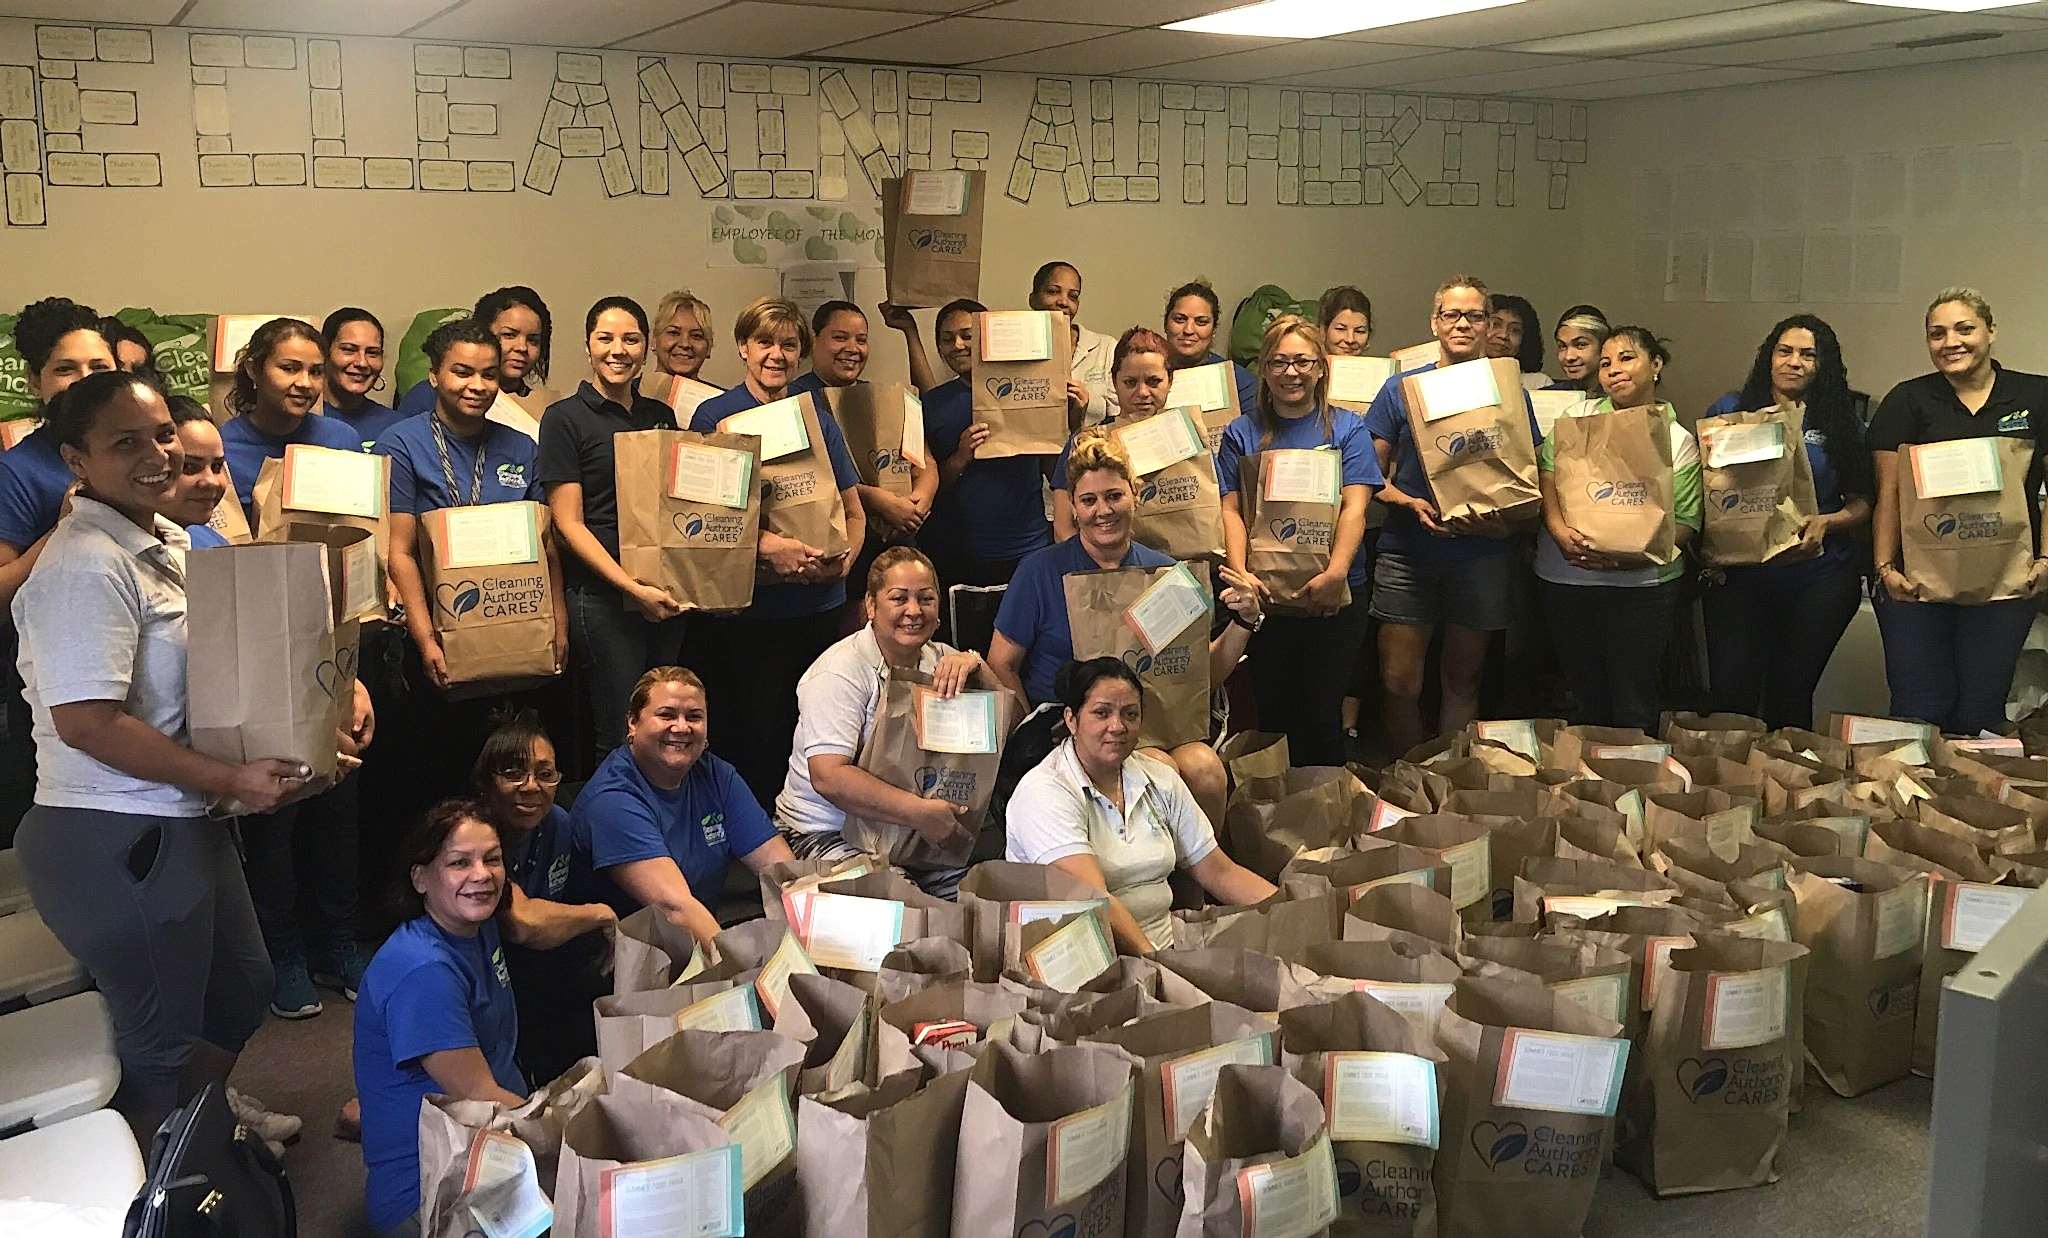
[[102, 618], [1055, 813], [836, 701]]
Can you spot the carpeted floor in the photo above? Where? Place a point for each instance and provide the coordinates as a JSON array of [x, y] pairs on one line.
[[1851, 1168]]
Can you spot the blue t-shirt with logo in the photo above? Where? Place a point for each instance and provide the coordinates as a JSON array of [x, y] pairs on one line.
[[996, 509], [1387, 421], [539, 863], [426, 991], [248, 447], [1034, 610], [420, 485], [621, 817], [1827, 493], [369, 418], [1357, 464], [33, 482]]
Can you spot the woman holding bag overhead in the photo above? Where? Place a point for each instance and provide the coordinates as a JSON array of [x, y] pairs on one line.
[[1621, 498], [1771, 627], [1302, 659], [1951, 662]]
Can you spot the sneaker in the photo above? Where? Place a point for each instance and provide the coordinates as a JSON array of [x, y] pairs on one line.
[[294, 997], [272, 1127], [342, 970]]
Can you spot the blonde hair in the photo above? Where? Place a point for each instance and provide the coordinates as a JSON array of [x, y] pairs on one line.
[[1278, 330], [766, 317], [1436, 302], [1096, 448], [1965, 295], [683, 299], [644, 688]]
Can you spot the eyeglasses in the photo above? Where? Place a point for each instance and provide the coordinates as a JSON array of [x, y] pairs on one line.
[[545, 777], [1293, 365], [1451, 318]]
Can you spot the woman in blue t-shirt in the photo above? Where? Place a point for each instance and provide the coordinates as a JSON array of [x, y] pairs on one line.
[[436, 1014], [355, 367], [1189, 325], [1771, 628]]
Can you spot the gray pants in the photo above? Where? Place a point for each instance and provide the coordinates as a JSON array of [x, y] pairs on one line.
[[156, 908]]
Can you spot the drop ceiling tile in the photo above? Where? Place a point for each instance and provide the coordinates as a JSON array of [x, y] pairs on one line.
[[1706, 29], [522, 21], [1125, 51], [1882, 36], [105, 12], [1536, 19], [1418, 68], [1150, 13], [961, 40], [368, 17], [2010, 44], [1669, 83], [1545, 79], [904, 6], [753, 28], [1291, 58]]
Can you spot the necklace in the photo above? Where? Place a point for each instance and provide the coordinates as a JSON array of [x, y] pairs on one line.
[[476, 477]]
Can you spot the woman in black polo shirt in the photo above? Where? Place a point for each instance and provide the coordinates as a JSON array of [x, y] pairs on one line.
[[1948, 663]]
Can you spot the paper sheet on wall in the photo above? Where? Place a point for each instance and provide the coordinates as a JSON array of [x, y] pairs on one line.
[[779, 425], [811, 284]]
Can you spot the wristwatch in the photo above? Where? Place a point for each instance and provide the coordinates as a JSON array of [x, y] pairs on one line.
[[1249, 625]]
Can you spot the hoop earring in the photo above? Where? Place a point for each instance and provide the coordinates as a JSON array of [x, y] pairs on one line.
[[377, 383]]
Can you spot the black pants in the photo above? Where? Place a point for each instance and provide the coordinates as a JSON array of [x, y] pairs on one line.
[[750, 667], [957, 567], [301, 862], [1301, 667], [1611, 641], [1770, 633], [553, 990]]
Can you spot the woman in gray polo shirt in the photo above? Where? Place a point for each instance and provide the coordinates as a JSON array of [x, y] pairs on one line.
[[120, 857]]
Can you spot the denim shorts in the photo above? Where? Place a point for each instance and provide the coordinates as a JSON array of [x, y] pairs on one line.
[[1472, 593]]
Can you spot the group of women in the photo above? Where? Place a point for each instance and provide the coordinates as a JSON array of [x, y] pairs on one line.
[[484, 989]]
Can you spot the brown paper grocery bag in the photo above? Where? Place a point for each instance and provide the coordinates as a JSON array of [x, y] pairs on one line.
[[880, 1161], [1985, 824], [1001, 896], [1414, 981], [1289, 540], [884, 428], [1614, 483], [1340, 869], [629, 1024], [1044, 1139], [931, 236], [700, 550], [894, 752], [1728, 735], [1461, 843], [1707, 815], [227, 517], [1254, 754], [914, 966], [1407, 913], [897, 1024], [1180, 506], [1862, 987], [455, 1138], [1270, 821], [1259, 1160], [1022, 401], [835, 1023], [1175, 678], [649, 952], [322, 486], [1594, 977], [1257, 982], [1756, 484], [491, 591], [1962, 917], [620, 1162], [1480, 460], [802, 499], [1971, 547]]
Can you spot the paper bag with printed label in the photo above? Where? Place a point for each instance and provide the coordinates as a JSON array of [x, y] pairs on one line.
[[1863, 985], [895, 751], [1717, 1066], [1614, 483], [801, 499], [835, 1023], [322, 486], [1963, 523], [629, 1024], [1728, 735], [1043, 1143], [1463, 844], [1001, 896], [269, 670], [1597, 978], [1412, 980], [647, 1163], [1259, 1160], [468, 1157], [931, 236], [227, 517], [1382, 1093], [690, 514], [648, 952], [1290, 538], [1532, 1083], [920, 964], [884, 428], [983, 1006], [1270, 821], [1019, 382], [491, 589], [1254, 981], [1376, 863], [1180, 1053], [1174, 677], [1405, 913], [1471, 430], [878, 1162], [1962, 916], [1756, 484], [1179, 503]]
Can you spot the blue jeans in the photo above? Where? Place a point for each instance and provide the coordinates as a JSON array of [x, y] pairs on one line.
[[1952, 665], [613, 646]]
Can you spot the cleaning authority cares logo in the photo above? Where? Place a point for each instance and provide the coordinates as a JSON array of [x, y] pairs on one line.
[[1541, 1152], [1619, 493], [1023, 390], [1964, 526], [938, 241]]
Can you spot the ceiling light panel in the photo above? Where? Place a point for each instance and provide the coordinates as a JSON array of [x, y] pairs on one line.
[[1317, 19], [1757, 22], [1879, 36], [1126, 52]]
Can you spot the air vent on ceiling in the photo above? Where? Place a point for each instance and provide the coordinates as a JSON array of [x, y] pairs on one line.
[[1948, 40]]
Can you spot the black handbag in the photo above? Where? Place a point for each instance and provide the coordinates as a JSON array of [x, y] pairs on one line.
[[211, 1177]]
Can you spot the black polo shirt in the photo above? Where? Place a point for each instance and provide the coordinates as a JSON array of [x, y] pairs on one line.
[[1926, 410], [576, 445]]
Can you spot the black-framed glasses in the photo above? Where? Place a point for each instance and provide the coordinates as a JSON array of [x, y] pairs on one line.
[[546, 777], [1289, 365], [1450, 318]]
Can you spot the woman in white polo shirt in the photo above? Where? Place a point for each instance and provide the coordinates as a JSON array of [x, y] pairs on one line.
[[836, 703], [1119, 820], [124, 865]]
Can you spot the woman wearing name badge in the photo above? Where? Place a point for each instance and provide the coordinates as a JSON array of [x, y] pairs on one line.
[[660, 820], [1192, 312], [437, 1014], [618, 626], [1772, 627], [1119, 819], [1056, 286], [526, 338], [60, 342], [836, 703], [1947, 663], [1142, 380], [1432, 575], [753, 659], [682, 344], [354, 369], [279, 377], [1611, 620], [122, 861], [1581, 330], [1515, 332], [1345, 315], [1302, 662], [839, 348]]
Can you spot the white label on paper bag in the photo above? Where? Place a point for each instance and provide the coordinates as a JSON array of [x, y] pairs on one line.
[[1072, 955], [1424, 877], [964, 724], [1189, 1081], [764, 1128], [1381, 1098], [1166, 608], [1965, 466], [1551, 405], [779, 424], [1560, 1073], [489, 534], [1653, 753], [1593, 906], [1292, 1198], [1357, 380], [1295, 476], [1901, 917], [695, 1196], [735, 1010], [1913, 752], [1016, 335], [359, 593], [913, 430], [843, 930], [1744, 1009], [1657, 965], [1728, 446], [1862, 729], [1767, 925], [1603, 996], [1421, 1004], [1384, 814], [1032, 912], [1452, 389], [1976, 912], [1727, 830], [935, 193], [772, 984], [1156, 442], [1083, 1148], [341, 483], [1853, 831], [1205, 387], [1516, 735], [502, 1188], [1471, 871], [700, 473]]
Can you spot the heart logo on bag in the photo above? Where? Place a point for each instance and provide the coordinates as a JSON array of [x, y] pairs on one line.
[[1941, 524], [1283, 527], [1001, 388], [1497, 1143], [1167, 1177], [926, 777], [884, 460], [1349, 1179], [1599, 491], [1451, 444], [1701, 1079], [1061, 1226], [458, 598], [920, 238], [1138, 660], [1893, 1001], [335, 671], [1725, 500], [689, 524], [1149, 492]]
